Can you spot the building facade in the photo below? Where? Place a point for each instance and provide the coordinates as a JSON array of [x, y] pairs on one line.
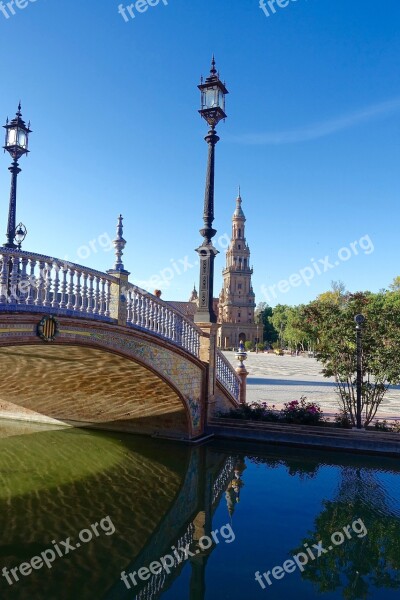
[[236, 303]]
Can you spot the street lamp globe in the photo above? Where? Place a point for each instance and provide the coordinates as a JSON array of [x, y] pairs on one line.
[[20, 234], [17, 136], [213, 93]]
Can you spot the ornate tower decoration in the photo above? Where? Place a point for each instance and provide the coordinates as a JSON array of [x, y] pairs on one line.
[[119, 244], [213, 93], [237, 299]]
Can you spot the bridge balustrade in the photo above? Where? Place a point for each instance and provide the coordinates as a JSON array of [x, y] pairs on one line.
[[35, 282], [227, 375], [149, 312]]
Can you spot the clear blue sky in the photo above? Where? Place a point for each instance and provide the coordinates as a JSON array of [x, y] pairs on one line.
[[312, 135]]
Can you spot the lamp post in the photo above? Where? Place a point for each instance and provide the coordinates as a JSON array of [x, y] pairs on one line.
[[16, 144], [359, 320], [213, 93]]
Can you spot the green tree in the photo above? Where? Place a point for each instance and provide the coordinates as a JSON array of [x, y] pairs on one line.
[[395, 285], [332, 326], [267, 333]]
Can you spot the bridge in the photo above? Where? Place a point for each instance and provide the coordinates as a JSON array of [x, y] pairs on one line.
[[88, 348]]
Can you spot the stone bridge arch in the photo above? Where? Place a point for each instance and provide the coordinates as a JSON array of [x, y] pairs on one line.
[[101, 375]]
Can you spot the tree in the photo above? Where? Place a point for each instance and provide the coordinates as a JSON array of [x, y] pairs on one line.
[[332, 325], [395, 285], [267, 331]]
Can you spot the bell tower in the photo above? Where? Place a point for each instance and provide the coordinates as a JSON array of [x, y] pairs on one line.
[[237, 299]]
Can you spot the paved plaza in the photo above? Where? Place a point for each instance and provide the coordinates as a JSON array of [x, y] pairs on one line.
[[278, 379]]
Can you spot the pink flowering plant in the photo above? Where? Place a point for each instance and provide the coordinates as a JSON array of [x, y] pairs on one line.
[[297, 411], [302, 412]]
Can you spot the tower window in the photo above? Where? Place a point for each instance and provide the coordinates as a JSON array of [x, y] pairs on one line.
[[239, 246], [240, 233], [239, 286], [238, 314]]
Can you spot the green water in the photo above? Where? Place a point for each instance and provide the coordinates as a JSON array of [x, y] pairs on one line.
[[149, 497]]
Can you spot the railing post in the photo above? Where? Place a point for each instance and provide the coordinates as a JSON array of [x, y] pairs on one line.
[[118, 298], [207, 354], [242, 372]]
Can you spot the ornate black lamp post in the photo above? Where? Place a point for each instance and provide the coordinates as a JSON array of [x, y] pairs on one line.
[[16, 144], [359, 319], [213, 93]]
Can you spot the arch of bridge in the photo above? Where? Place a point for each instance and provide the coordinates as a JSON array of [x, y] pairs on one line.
[[160, 363]]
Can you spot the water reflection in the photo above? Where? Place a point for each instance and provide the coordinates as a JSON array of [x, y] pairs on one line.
[[163, 496]]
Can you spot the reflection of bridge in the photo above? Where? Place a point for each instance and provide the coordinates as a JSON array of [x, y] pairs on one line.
[[166, 377], [189, 518]]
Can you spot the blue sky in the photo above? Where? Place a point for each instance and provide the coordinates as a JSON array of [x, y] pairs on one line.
[[312, 137]]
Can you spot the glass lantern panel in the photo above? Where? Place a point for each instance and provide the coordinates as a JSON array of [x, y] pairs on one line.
[[11, 137], [22, 139], [211, 97]]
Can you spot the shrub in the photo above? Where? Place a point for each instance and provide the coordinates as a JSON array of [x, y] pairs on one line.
[[385, 426], [343, 419], [249, 346], [302, 412]]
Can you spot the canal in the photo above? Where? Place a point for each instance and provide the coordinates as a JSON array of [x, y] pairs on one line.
[[93, 515]]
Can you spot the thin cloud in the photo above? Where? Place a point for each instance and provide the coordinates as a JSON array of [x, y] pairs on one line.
[[319, 130]]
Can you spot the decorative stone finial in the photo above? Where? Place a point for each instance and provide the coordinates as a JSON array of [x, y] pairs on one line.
[[119, 245]]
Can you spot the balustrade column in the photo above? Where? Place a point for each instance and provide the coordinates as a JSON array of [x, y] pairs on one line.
[[31, 290], [4, 279], [40, 285]]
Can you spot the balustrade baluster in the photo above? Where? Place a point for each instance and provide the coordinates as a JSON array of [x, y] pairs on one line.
[[108, 298], [90, 295], [40, 285], [63, 303], [84, 305], [56, 285], [103, 297], [4, 279], [96, 309], [70, 303], [32, 283], [129, 306], [47, 284], [77, 305]]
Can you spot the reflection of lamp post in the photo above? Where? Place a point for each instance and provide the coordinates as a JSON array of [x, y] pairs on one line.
[[16, 144], [257, 341], [359, 319], [213, 93]]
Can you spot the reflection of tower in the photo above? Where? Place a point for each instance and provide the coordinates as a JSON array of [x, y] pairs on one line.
[[232, 494], [237, 300]]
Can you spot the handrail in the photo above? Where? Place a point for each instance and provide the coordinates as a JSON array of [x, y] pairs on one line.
[[149, 312], [227, 375], [32, 281]]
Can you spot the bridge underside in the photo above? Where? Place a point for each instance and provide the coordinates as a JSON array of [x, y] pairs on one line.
[[82, 386]]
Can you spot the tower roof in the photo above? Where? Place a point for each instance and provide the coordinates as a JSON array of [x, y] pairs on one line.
[[239, 214]]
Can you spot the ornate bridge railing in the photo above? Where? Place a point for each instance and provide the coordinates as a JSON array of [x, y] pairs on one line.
[[37, 283], [149, 312], [227, 375], [34, 282]]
